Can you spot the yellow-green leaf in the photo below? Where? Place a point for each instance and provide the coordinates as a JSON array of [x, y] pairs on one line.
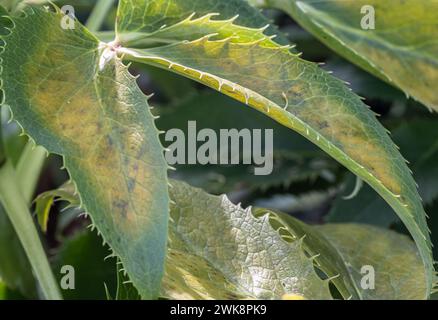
[[392, 259], [402, 49], [75, 102]]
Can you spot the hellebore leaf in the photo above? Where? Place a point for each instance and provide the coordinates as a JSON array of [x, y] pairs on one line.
[[77, 100]]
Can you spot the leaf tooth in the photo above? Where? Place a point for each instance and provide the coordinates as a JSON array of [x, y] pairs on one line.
[[315, 256], [333, 277]]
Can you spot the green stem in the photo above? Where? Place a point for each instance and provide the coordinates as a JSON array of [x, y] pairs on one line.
[[2, 147], [98, 14], [29, 169], [15, 205]]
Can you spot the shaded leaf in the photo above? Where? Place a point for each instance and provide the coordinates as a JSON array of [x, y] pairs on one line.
[[366, 207], [203, 257], [92, 269]]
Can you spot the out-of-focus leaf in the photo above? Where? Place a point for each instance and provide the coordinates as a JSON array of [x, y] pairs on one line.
[[401, 49], [92, 269], [366, 207], [362, 82], [15, 269], [399, 274], [250, 67], [8, 294], [418, 141], [295, 159], [92, 112]]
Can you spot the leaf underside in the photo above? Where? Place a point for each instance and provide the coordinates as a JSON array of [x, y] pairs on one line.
[[250, 67], [99, 121]]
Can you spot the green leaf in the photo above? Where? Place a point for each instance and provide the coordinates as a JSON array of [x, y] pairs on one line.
[[89, 110], [93, 270], [326, 257], [341, 250], [211, 240], [168, 21], [44, 202], [401, 50], [298, 94], [399, 274], [15, 269], [218, 250]]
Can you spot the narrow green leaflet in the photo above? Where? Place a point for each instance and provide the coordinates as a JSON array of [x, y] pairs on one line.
[[397, 267], [402, 49], [45, 201], [301, 96], [75, 102]]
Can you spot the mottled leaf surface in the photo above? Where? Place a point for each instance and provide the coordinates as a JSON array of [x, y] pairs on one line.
[[402, 49], [301, 96], [326, 256], [92, 113], [218, 250], [207, 261]]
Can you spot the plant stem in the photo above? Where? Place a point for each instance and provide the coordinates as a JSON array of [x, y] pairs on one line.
[[15, 205], [98, 14], [2, 147], [29, 169]]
